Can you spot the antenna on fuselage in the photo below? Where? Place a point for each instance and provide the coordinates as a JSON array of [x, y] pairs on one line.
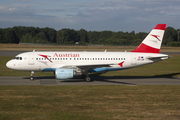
[[34, 50], [105, 50]]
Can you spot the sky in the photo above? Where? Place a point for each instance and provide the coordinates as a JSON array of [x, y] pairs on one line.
[[91, 15]]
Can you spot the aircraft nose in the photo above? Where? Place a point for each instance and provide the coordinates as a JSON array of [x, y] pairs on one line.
[[9, 64]]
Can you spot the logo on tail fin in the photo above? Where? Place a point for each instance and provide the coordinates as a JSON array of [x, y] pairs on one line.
[[156, 36]]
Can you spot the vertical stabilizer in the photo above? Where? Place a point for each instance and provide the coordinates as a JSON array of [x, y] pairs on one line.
[[152, 43]]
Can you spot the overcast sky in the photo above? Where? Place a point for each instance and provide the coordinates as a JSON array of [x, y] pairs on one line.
[[91, 15]]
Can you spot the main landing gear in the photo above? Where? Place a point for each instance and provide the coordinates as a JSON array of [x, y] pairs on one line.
[[32, 77], [86, 77]]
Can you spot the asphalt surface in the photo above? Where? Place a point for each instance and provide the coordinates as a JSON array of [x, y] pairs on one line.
[[100, 80]]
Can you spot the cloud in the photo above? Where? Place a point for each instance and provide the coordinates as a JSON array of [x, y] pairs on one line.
[[112, 15]]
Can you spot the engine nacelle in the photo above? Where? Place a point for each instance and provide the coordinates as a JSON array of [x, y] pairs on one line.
[[64, 73]]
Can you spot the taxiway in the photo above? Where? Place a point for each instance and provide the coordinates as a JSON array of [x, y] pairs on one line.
[[99, 80]]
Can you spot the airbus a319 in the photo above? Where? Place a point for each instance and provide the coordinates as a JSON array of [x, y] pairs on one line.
[[67, 65]]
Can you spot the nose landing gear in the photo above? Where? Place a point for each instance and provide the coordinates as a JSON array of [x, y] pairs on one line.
[[32, 77]]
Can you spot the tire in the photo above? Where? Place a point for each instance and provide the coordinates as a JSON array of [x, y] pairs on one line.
[[31, 78], [88, 79]]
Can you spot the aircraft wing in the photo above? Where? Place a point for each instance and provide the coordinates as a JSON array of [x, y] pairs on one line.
[[92, 66], [87, 67]]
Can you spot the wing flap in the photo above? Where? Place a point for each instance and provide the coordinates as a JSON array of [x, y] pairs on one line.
[[88, 67]]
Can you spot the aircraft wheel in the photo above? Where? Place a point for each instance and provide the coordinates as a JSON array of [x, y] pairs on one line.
[[31, 78], [88, 79]]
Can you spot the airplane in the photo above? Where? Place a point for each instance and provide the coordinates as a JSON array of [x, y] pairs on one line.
[[67, 65]]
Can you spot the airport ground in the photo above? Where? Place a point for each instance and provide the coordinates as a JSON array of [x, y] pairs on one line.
[[146, 92]]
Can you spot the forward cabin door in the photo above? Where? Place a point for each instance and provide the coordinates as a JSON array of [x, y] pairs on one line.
[[31, 59], [133, 59]]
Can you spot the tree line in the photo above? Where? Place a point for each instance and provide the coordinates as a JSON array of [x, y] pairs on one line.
[[22, 34]]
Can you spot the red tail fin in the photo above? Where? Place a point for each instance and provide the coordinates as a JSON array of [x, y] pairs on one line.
[[152, 43]]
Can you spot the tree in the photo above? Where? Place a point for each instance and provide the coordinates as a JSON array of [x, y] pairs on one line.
[[52, 35], [170, 35], [83, 35], [2, 40], [10, 36]]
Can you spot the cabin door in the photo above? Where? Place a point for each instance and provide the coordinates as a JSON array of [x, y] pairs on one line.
[[31, 59], [133, 60]]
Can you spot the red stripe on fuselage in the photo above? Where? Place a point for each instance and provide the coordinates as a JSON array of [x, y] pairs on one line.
[[146, 49]]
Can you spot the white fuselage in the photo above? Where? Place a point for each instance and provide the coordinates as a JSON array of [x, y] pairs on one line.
[[90, 61]]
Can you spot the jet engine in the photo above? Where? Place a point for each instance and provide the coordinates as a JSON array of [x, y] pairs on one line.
[[64, 73]]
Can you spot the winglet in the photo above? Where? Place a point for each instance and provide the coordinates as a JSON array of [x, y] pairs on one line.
[[152, 43], [121, 64]]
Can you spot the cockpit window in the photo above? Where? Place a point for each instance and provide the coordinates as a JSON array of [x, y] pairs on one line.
[[18, 58]]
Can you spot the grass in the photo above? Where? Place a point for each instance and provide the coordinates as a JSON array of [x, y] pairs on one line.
[[77, 48], [89, 102], [92, 102], [168, 68]]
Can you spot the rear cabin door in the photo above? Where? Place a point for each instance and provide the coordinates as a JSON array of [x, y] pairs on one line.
[[133, 60]]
